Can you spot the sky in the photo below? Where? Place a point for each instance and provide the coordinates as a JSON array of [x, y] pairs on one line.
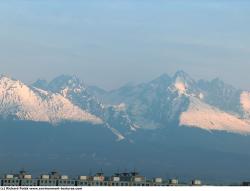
[[112, 42]]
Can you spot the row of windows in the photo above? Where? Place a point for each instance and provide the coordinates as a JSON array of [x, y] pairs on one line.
[[19, 183], [11, 181], [66, 182], [47, 181]]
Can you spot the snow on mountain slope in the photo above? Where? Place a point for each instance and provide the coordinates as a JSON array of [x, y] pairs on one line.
[[180, 87], [245, 101], [207, 117], [210, 105], [156, 104], [21, 102], [74, 89]]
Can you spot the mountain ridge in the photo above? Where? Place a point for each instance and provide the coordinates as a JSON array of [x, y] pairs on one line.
[[151, 105], [18, 99], [172, 124]]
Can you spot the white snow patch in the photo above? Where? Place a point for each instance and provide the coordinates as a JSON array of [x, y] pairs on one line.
[[120, 137], [180, 87], [65, 91], [201, 96], [19, 100], [78, 90], [202, 115], [43, 92], [136, 126], [245, 101], [120, 107]]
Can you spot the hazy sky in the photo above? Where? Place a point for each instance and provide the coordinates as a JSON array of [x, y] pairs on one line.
[[111, 42]]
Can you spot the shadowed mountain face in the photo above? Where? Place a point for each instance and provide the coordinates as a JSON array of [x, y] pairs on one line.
[[170, 127]]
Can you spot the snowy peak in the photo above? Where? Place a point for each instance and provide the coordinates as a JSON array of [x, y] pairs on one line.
[[181, 76], [72, 88], [184, 85], [214, 105], [207, 117], [221, 95], [64, 82], [180, 87], [209, 105], [8, 82], [22, 102]]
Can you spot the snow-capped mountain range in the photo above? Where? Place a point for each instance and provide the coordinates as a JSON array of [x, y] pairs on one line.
[[160, 103], [29, 103]]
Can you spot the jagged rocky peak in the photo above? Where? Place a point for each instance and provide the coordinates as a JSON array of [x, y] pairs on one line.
[[184, 77], [8, 81], [179, 76], [4, 77], [20, 101], [41, 84], [164, 78], [96, 91], [67, 80], [160, 83], [183, 83], [154, 104], [215, 83], [218, 82], [65, 83]]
